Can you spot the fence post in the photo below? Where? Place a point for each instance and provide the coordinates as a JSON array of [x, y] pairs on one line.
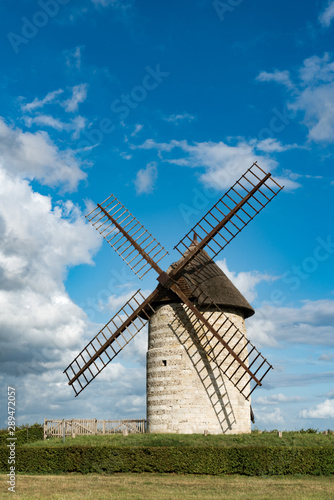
[[64, 423], [45, 425], [104, 427]]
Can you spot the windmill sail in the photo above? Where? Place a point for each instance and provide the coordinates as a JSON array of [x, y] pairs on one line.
[[226, 345], [110, 341], [239, 205], [137, 247], [127, 236]]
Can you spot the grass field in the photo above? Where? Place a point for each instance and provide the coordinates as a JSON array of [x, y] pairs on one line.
[[253, 439], [169, 487]]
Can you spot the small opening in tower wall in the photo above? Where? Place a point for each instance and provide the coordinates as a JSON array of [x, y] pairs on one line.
[[164, 362]]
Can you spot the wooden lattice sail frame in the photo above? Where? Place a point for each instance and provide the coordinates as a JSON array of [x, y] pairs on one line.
[[141, 251]]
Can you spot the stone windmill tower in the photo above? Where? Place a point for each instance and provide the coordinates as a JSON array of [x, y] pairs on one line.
[[201, 368], [186, 391]]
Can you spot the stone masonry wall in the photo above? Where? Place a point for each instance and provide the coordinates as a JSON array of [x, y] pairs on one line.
[[187, 393]]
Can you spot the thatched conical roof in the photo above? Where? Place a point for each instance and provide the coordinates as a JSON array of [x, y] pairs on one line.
[[203, 275]]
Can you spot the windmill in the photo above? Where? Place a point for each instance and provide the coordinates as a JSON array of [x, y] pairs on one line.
[[201, 368]]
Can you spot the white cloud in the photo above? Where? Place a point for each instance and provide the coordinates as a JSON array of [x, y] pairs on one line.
[[120, 5], [44, 120], [317, 70], [105, 3], [115, 302], [271, 145], [325, 357], [330, 394], [282, 77], [312, 95], [146, 178], [76, 125], [273, 325], [281, 378], [318, 109], [116, 392], [269, 417], [160, 146], [223, 163], [322, 410], [277, 398], [246, 282], [327, 15], [39, 103], [79, 94], [73, 57], [177, 119], [137, 129], [39, 323], [126, 156], [294, 325], [35, 156]]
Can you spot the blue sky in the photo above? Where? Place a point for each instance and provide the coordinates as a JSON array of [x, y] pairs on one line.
[[164, 104]]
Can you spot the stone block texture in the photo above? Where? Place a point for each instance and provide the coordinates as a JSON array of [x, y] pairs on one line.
[[186, 391]]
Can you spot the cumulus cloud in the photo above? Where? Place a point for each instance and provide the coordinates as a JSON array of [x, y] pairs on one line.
[[273, 325], [322, 410], [116, 392], [115, 4], [271, 145], [246, 282], [327, 15], [35, 156], [73, 57], [312, 94], [44, 120], [75, 126], [325, 357], [265, 417], [223, 163], [295, 325], [115, 302], [40, 103], [277, 398], [330, 394], [137, 129], [178, 118], [282, 77], [146, 178], [38, 320], [306, 379], [79, 94]]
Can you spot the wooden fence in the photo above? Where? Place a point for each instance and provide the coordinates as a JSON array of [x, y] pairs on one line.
[[81, 427]]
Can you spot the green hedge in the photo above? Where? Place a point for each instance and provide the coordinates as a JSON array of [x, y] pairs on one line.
[[250, 461], [23, 435]]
